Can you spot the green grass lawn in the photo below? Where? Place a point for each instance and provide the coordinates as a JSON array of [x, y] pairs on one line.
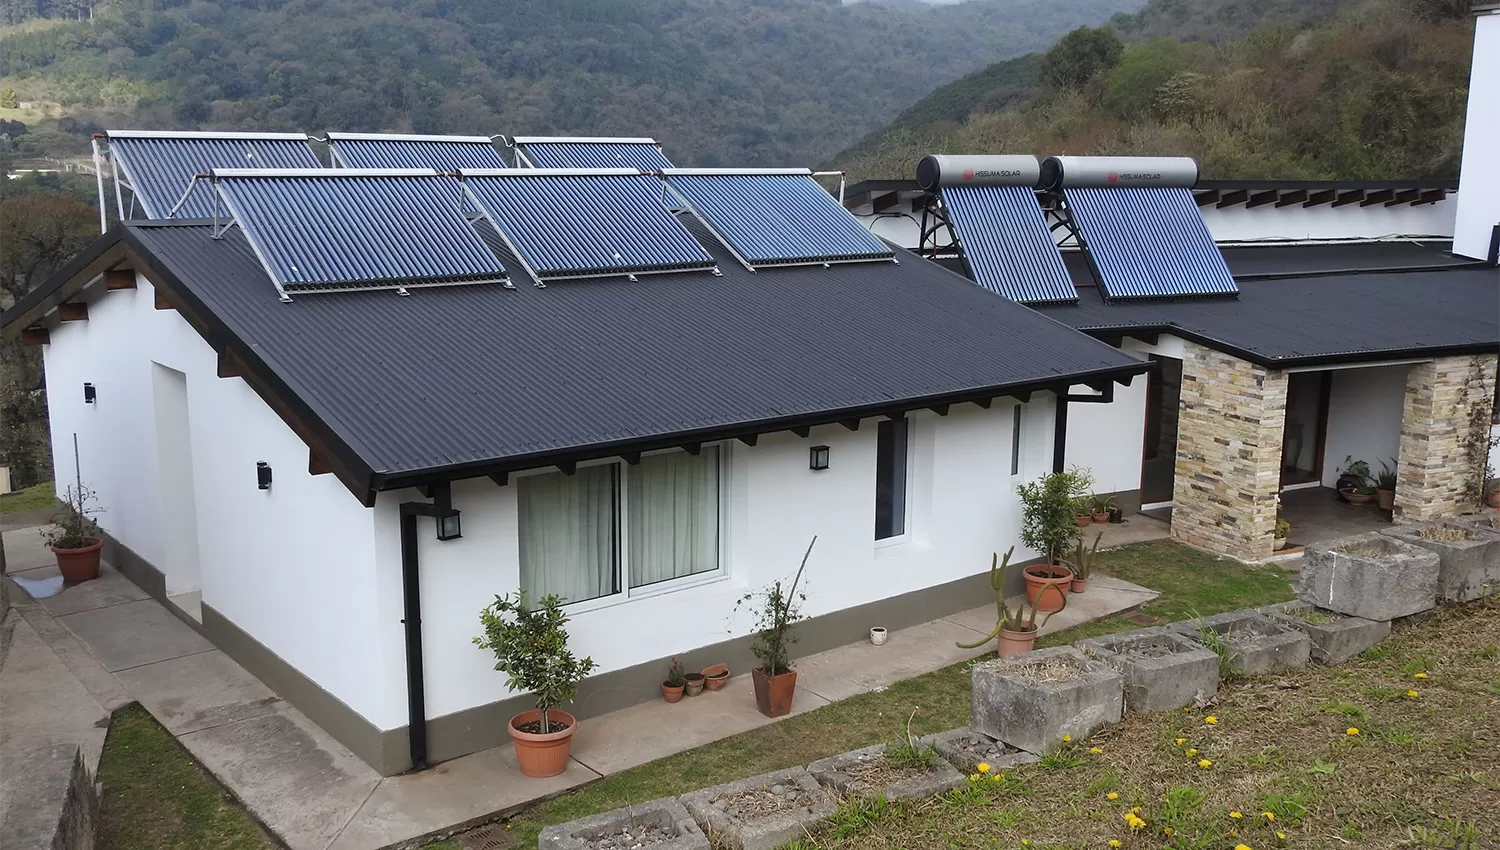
[[35, 497], [157, 798], [1190, 583]]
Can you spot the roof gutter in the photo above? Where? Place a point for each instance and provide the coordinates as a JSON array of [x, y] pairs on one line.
[[1281, 363]]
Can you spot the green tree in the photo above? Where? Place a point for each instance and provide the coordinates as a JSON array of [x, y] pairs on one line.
[[9, 99], [1081, 55], [1131, 92]]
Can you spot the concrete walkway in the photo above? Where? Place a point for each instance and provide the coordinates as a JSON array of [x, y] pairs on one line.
[[316, 795]]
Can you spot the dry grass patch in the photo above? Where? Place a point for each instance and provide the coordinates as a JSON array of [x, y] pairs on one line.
[[1398, 748]]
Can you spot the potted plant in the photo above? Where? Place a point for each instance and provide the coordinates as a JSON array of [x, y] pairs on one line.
[[1083, 512], [1048, 527], [1354, 482], [779, 609], [1116, 516], [671, 689], [1082, 563], [714, 677], [1283, 531], [1385, 486], [694, 683], [74, 536], [1015, 628], [1099, 507], [530, 645]]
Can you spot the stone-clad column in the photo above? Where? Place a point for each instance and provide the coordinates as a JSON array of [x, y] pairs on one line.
[[1229, 432], [1445, 431]]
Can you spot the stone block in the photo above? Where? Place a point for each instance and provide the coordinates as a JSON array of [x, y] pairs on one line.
[[660, 824], [760, 812], [1031, 701], [1163, 670], [966, 749], [1374, 576], [1335, 637], [1468, 556], [862, 773], [1259, 644]]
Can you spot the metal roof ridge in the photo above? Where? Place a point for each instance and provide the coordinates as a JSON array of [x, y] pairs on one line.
[[201, 134], [581, 140], [709, 172], [406, 137], [552, 172], [324, 172]]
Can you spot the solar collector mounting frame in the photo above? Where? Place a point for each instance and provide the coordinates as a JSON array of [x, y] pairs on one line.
[[146, 186], [403, 151]]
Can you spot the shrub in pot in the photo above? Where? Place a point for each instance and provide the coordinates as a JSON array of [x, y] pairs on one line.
[[671, 689], [1015, 628], [778, 610], [1283, 531], [1385, 486], [1048, 526], [530, 645], [74, 537], [1355, 482], [1100, 507]]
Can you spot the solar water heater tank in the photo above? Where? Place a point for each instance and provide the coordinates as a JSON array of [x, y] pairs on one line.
[[936, 170], [1063, 172]]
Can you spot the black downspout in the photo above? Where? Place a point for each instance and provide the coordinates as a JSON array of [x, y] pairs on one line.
[[1494, 257], [1060, 434], [411, 593]]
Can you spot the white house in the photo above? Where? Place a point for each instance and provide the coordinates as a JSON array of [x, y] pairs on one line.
[[272, 460]]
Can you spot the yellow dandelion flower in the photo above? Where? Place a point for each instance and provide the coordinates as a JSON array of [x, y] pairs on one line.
[[1236, 815], [1211, 720], [1420, 676], [983, 767], [973, 777], [1026, 842], [1167, 831], [1234, 833], [995, 778], [1113, 795], [1352, 731], [1281, 835], [1412, 694], [1271, 816], [1097, 750], [1067, 739], [1205, 763], [1136, 810], [1192, 751], [1137, 825], [1115, 842], [1241, 847], [1181, 741]]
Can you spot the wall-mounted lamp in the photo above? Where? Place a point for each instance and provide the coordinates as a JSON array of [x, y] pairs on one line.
[[88, 394], [449, 527], [262, 475], [817, 457]]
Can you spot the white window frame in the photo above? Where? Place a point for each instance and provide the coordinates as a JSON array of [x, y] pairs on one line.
[[906, 506], [622, 536]]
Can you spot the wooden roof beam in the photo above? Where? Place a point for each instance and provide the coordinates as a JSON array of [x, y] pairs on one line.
[[1260, 199], [883, 202], [1430, 196], [35, 336], [117, 279], [1320, 197], [1404, 196], [73, 311], [1379, 196], [1296, 196], [1349, 196], [1233, 198], [1204, 197]]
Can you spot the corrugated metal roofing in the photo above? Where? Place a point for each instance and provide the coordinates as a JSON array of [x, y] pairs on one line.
[[572, 224], [340, 228], [160, 166], [644, 155], [445, 153], [1149, 242], [771, 218], [1353, 316], [516, 375], [1006, 242], [1257, 261]]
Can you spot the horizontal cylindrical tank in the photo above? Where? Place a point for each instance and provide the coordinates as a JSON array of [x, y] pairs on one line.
[[1061, 172], [936, 170]]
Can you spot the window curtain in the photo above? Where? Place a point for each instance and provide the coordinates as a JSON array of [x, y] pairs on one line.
[[567, 533], [674, 516]]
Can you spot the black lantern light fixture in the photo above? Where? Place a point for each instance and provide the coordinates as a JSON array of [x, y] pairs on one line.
[[448, 526], [817, 458], [88, 394], [262, 475]]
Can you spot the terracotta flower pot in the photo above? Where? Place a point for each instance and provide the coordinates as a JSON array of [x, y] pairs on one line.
[[1354, 497], [1100, 516], [1080, 585], [1492, 498], [670, 693], [1009, 643], [1047, 587], [1083, 519], [543, 754], [773, 694], [695, 683], [714, 677], [79, 564], [1385, 499]]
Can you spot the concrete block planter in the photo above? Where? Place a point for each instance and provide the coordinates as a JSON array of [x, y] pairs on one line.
[[1260, 644], [1031, 701], [1374, 576], [864, 773], [1335, 637], [1468, 556], [658, 825], [1163, 670], [761, 812], [966, 749]]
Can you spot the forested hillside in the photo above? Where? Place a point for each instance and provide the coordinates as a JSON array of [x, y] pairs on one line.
[[719, 81], [1372, 89]]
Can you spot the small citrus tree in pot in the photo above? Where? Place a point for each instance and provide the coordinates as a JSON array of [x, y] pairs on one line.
[[531, 649], [1048, 526], [780, 608], [74, 536]]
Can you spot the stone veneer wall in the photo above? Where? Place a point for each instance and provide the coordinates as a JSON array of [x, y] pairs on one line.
[[1229, 433], [1437, 477]]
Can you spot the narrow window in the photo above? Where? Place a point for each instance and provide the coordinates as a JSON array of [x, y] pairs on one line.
[[674, 516], [568, 534], [1015, 442], [890, 479]]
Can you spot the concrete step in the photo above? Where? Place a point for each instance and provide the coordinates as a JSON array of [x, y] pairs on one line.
[[47, 799]]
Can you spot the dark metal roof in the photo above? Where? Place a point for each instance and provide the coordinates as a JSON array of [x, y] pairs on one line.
[[466, 381], [1249, 262], [1306, 321]]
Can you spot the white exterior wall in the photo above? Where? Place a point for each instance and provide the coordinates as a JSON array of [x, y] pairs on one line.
[[961, 508], [1109, 439], [1364, 418], [293, 565], [1479, 175]]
